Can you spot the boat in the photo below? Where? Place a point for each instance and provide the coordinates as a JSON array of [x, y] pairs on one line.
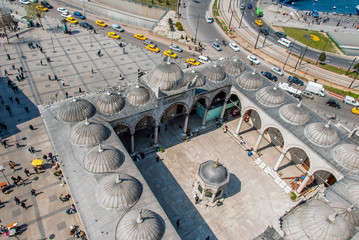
[[357, 8]]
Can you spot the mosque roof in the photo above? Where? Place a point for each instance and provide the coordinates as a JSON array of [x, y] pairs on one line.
[[89, 133], [214, 73], [294, 113], [119, 191], [137, 95], [140, 224], [250, 81], [167, 76], [110, 103], [321, 134], [233, 66], [75, 110], [271, 96], [347, 155], [195, 79], [103, 159], [213, 173]]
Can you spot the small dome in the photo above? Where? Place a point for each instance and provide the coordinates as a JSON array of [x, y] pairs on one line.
[[140, 224], [86, 133], [213, 173], [137, 95], [347, 188], [347, 155], [321, 134], [233, 66], [195, 79], [102, 159], [119, 191], [76, 110], [167, 76], [316, 220], [110, 103], [250, 81], [271, 96], [215, 73], [294, 114]]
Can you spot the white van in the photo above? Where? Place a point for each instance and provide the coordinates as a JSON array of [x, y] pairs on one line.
[[204, 59], [209, 17], [285, 42], [351, 101]]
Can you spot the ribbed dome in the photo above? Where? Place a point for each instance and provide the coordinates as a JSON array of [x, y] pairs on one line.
[[110, 103], [316, 220], [137, 95], [103, 159], [195, 79], [76, 110], [271, 96], [294, 113], [140, 224], [233, 66], [213, 173], [321, 134], [347, 188], [250, 81], [347, 155], [215, 73], [86, 133], [119, 191], [166, 76]]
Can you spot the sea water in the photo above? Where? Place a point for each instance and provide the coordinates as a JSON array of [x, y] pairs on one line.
[[338, 6]]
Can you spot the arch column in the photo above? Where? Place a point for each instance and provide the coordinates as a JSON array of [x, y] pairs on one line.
[[258, 142], [223, 109], [132, 143], [304, 183], [279, 162], [205, 117], [155, 142], [239, 125], [185, 125]]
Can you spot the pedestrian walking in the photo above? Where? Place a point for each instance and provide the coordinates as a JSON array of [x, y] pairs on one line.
[[22, 204], [37, 45], [27, 172], [17, 201], [94, 31], [14, 180], [18, 78], [12, 166], [41, 62], [17, 144], [13, 67], [5, 72], [178, 223], [31, 127], [7, 108], [33, 192], [21, 182], [26, 109], [57, 79], [49, 77], [48, 59], [21, 69], [196, 198], [36, 171], [31, 150], [17, 35], [22, 75], [62, 82], [10, 98], [207, 238], [99, 53], [40, 49], [4, 143], [44, 157], [92, 71], [157, 159], [8, 57], [80, 90], [17, 100], [66, 94]]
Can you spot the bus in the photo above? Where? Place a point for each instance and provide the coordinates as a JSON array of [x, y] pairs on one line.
[[259, 12]]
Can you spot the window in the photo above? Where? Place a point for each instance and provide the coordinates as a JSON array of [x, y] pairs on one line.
[[218, 193], [209, 194], [200, 188]]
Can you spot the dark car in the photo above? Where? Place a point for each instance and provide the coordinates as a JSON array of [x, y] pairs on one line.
[[250, 6], [86, 25], [295, 80], [280, 34], [333, 103], [269, 76], [46, 4], [79, 15], [263, 31]]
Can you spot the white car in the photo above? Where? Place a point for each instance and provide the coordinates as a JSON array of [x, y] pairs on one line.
[[66, 15], [234, 46], [253, 59], [25, 2], [62, 10], [278, 71]]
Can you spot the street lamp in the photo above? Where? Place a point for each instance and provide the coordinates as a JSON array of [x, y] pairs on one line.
[[291, 48], [2, 170], [356, 75], [240, 23]]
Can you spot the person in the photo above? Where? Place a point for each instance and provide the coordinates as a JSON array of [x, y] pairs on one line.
[[44, 157], [33, 192], [55, 76], [178, 223], [62, 82], [49, 77], [17, 100], [157, 159], [99, 53], [14, 180], [27, 172], [17, 201], [41, 62], [80, 90], [12, 166], [17, 144], [250, 152], [26, 109], [31, 127], [36, 171], [225, 129], [67, 94], [22, 204], [196, 198]]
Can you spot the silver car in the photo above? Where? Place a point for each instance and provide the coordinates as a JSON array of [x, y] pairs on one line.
[[278, 71], [216, 46], [307, 94]]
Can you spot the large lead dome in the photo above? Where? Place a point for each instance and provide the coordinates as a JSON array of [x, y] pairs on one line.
[[88, 133], [294, 113], [233, 66], [137, 95], [250, 81], [271, 96], [110, 103], [195, 79], [347, 155], [321, 134], [76, 110], [166, 76], [215, 73]]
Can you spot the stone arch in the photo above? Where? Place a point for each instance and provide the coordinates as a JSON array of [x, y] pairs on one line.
[[144, 135], [295, 163], [251, 116], [324, 175], [123, 135], [130, 128], [275, 134], [233, 106], [224, 90], [206, 98], [142, 117], [172, 105]]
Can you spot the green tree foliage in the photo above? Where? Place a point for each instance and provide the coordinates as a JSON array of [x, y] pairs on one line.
[[34, 13], [322, 57], [356, 66], [6, 21]]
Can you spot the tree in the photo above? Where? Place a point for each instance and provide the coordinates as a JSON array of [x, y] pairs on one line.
[[6, 21], [34, 13], [322, 57], [356, 66]]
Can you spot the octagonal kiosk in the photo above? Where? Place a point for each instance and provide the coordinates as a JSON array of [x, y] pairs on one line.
[[212, 179]]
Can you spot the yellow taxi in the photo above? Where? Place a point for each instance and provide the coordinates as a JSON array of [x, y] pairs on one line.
[[113, 35], [152, 48], [192, 61], [41, 8], [72, 20], [101, 23], [140, 36], [170, 54], [259, 22], [355, 110]]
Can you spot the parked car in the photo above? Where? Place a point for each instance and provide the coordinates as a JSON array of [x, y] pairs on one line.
[[351, 101], [307, 94], [62, 10], [86, 25], [333, 103], [117, 27], [243, 6], [216, 46], [280, 34], [278, 71], [263, 31], [250, 6], [355, 110], [269, 76], [258, 22], [295, 80], [149, 42], [175, 48], [234, 46], [253, 59], [140, 36], [46, 4], [79, 15]]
